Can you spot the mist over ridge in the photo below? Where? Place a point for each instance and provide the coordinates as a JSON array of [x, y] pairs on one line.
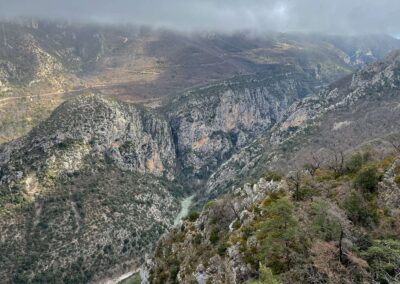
[[333, 17]]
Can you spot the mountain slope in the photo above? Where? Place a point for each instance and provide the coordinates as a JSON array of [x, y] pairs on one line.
[[81, 180], [327, 229], [95, 146], [88, 190], [324, 204], [347, 114]]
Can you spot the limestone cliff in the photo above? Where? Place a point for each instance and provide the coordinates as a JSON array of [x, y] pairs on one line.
[[358, 109], [211, 123], [86, 192]]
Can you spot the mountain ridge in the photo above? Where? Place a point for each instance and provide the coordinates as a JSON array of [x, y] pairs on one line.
[[140, 64]]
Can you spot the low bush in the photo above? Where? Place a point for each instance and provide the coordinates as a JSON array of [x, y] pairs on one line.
[[274, 175], [367, 178], [193, 216], [397, 180], [359, 210], [384, 258]]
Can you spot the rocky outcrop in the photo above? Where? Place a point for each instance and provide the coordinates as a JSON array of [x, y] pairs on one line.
[[192, 246], [87, 193], [298, 229], [131, 138], [390, 187]]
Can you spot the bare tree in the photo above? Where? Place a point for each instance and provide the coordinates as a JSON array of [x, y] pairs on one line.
[[341, 237], [394, 140], [231, 205], [295, 180], [314, 165], [337, 163]]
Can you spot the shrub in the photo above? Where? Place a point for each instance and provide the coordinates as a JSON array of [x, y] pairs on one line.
[[274, 175], [279, 243], [359, 210], [193, 216], [387, 162], [384, 259], [397, 170], [236, 224], [214, 236], [210, 204], [355, 163], [397, 180], [325, 225], [306, 192], [266, 277], [161, 277], [197, 239], [367, 178], [362, 240], [222, 248]]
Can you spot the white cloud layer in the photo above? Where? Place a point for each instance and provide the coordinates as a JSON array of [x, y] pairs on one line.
[[330, 16]]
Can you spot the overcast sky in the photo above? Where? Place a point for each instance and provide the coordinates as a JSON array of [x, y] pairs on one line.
[[332, 16]]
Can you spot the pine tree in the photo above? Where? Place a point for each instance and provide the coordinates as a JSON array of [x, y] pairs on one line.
[[279, 235], [266, 276]]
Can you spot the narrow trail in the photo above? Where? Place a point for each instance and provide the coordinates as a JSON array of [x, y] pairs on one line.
[[58, 93], [9, 99], [118, 279], [6, 100]]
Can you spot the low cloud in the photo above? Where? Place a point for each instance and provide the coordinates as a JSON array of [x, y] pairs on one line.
[[338, 17]]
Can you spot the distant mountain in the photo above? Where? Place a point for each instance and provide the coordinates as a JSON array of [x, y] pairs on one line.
[[38, 55], [52, 59]]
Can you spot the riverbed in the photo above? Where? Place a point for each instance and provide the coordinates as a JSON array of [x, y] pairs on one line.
[[185, 205]]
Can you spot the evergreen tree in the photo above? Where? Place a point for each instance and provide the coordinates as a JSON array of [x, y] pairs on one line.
[[279, 235], [266, 276]]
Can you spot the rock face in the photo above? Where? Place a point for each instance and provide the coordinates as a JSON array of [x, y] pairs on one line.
[[389, 186], [132, 138], [87, 191], [211, 123], [344, 116]]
